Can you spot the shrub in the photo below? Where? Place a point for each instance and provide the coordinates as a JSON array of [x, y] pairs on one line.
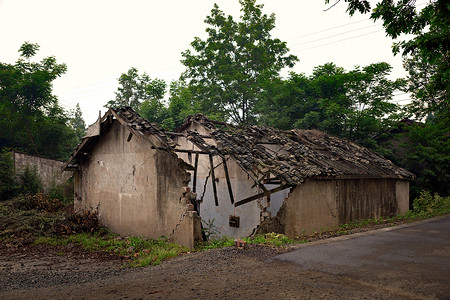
[[30, 181], [428, 203], [56, 191]]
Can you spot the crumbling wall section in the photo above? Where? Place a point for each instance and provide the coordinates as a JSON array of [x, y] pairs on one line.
[[242, 186], [274, 224]]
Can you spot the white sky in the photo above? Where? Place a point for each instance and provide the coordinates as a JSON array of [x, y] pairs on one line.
[[99, 40]]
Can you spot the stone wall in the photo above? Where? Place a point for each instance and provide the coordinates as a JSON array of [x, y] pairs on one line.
[[49, 170]]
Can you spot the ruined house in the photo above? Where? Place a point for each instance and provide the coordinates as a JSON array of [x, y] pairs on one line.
[[145, 181]]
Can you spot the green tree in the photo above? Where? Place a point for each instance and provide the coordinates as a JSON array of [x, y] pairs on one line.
[[77, 123], [354, 105], [32, 120], [428, 47], [227, 72], [135, 89], [427, 98]]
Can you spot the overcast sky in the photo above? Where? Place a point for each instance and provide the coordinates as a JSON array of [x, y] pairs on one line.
[[99, 40]]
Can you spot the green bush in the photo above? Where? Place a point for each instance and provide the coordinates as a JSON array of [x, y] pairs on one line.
[[56, 191], [30, 181], [431, 204]]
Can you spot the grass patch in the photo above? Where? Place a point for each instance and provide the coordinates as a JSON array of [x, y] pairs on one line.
[[272, 239], [141, 252], [216, 243]]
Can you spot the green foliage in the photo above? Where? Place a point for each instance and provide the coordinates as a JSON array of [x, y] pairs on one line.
[[427, 203], [8, 184], [30, 181], [77, 123], [425, 47], [56, 191], [142, 252], [353, 105], [32, 121], [227, 73], [274, 239], [216, 243], [427, 155], [135, 89], [209, 228]]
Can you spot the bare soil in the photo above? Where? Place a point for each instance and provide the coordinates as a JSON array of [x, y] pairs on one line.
[[45, 272]]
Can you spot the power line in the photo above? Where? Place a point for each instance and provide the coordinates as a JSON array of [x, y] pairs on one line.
[[328, 29], [353, 37], [331, 36]]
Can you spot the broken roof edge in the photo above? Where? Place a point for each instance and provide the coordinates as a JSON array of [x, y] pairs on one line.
[[85, 140], [312, 141], [134, 123], [326, 155]]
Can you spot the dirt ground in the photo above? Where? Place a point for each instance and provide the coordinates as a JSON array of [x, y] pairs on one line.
[[42, 272]]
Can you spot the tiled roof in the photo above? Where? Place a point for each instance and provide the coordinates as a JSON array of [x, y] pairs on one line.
[[293, 156], [290, 157]]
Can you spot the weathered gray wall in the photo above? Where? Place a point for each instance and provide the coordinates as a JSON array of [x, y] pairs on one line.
[[325, 204], [49, 170], [135, 189]]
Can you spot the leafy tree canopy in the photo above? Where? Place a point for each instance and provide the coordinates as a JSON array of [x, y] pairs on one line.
[[353, 104], [228, 72], [32, 120], [135, 89], [426, 54], [77, 123]]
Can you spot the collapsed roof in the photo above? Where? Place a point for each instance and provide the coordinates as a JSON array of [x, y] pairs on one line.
[[266, 154]]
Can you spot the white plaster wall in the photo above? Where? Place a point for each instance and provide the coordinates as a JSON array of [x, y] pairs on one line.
[[242, 187], [276, 199]]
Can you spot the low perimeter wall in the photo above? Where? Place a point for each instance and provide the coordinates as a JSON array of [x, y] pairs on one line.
[[48, 169]]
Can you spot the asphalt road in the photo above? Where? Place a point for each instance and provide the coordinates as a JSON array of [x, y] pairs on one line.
[[412, 259]]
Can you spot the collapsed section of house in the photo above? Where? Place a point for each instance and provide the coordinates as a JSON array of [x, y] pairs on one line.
[[145, 181]]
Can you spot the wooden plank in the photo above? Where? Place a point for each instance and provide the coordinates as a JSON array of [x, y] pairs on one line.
[[227, 176], [263, 194], [194, 183], [213, 178]]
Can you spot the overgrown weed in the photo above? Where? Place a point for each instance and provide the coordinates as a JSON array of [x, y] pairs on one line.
[[140, 252]]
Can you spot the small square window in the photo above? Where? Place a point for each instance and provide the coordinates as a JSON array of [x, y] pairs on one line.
[[234, 221]]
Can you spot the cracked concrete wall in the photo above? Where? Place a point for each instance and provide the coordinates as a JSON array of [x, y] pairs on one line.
[[135, 189], [325, 204]]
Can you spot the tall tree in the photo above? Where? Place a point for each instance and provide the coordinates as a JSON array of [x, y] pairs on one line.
[[227, 72], [135, 89], [77, 123], [429, 46], [32, 120]]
